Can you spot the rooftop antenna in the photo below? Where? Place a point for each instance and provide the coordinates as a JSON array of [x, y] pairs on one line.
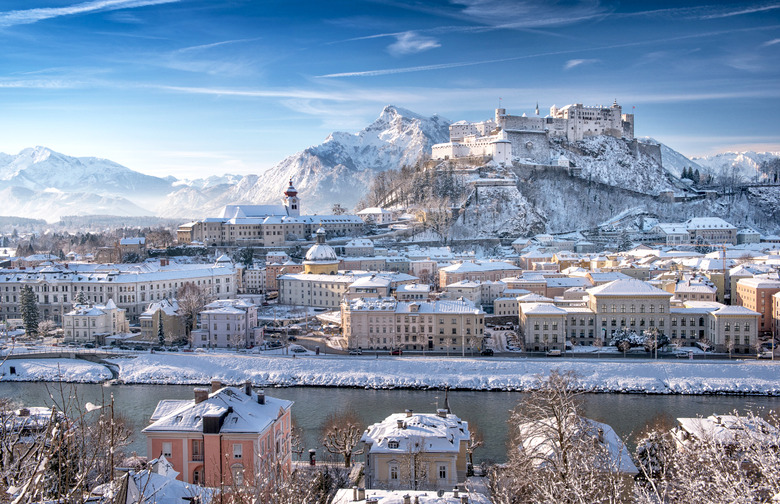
[[447, 399]]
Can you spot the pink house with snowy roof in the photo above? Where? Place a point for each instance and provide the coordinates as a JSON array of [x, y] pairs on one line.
[[231, 436]]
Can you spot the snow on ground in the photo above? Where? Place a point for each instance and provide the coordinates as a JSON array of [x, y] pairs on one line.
[[608, 375], [68, 370], [478, 373]]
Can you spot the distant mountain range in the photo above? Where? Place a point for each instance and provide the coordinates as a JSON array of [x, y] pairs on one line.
[[41, 183]]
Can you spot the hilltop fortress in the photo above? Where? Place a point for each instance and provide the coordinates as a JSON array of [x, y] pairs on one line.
[[509, 136]]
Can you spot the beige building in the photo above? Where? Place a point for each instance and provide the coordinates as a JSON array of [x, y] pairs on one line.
[[317, 290], [229, 323], [543, 326], [711, 230], [476, 271], [632, 305], [384, 324], [756, 294], [92, 323], [172, 321], [416, 450]]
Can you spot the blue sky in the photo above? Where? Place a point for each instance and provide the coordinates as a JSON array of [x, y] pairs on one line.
[[194, 88]]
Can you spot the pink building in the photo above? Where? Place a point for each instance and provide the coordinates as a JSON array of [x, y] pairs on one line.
[[231, 436]]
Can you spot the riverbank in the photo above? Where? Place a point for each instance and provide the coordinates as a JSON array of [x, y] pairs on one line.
[[510, 374]]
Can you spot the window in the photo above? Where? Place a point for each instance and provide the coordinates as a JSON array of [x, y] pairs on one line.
[[442, 472], [167, 449], [238, 473], [238, 450], [197, 450], [392, 445], [394, 472]]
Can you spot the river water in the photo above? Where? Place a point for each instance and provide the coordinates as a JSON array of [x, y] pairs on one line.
[[489, 411]]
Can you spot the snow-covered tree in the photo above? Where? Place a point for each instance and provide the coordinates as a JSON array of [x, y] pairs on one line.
[[160, 329], [81, 298], [735, 464], [46, 328], [191, 300], [554, 454], [29, 308]]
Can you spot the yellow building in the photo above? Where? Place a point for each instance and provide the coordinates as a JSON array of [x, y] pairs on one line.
[[321, 258]]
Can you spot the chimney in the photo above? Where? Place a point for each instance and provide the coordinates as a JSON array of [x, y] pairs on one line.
[[464, 499], [361, 493], [455, 492], [355, 493], [261, 397], [24, 412], [408, 413], [400, 424], [201, 394], [407, 499], [215, 385], [441, 412], [416, 499], [248, 388], [601, 435]]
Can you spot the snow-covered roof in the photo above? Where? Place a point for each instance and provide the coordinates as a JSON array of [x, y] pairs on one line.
[[724, 428], [708, 223], [169, 306], [244, 211], [416, 288], [628, 287], [473, 267], [242, 413], [140, 240], [760, 283], [534, 298], [537, 438], [735, 310], [541, 309], [321, 253], [407, 433]]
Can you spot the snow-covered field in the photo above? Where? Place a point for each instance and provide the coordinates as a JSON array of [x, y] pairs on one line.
[[607, 375]]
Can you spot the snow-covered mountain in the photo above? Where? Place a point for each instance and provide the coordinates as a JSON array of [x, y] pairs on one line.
[[51, 205], [673, 161], [40, 169], [746, 165], [336, 171]]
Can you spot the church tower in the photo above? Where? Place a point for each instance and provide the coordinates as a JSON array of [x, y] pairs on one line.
[[291, 201]]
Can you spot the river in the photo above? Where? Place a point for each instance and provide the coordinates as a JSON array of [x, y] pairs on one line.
[[489, 411]]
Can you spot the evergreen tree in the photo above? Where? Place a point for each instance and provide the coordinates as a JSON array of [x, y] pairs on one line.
[[160, 330], [696, 176], [81, 298], [29, 307]]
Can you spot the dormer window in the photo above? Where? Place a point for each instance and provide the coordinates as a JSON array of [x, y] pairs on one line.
[[393, 445]]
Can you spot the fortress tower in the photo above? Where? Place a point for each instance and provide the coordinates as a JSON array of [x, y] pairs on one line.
[[291, 201]]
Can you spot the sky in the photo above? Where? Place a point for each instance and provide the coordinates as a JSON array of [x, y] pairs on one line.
[[194, 88]]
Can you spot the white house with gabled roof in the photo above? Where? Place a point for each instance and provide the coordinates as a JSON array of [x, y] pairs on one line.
[[416, 450]]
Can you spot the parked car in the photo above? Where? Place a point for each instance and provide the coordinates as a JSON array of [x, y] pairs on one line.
[[298, 350], [292, 338], [486, 351], [356, 351], [554, 353], [396, 351]]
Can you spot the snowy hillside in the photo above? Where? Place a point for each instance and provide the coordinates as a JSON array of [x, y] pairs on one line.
[[610, 161], [746, 165], [336, 170], [673, 161]]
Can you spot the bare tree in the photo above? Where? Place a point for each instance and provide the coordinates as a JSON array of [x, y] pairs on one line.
[[191, 300], [341, 432], [555, 454]]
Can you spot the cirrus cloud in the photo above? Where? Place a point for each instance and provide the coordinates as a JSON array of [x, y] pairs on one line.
[[410, 42]]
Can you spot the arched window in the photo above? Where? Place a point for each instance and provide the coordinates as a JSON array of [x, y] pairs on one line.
[[237, 470]]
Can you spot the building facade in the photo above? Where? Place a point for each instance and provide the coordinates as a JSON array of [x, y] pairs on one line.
[[384, 324], [231, 436]]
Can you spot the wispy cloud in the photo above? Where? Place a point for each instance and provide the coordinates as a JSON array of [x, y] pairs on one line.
[[204, 47], [442, 66], [29, 16], [577, 62], [742, 11], [411, 42], [771, 42]]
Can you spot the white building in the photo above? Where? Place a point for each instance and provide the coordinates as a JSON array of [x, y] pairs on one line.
[[92, 323], [421, 450], [228, 324], [379, 215]]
